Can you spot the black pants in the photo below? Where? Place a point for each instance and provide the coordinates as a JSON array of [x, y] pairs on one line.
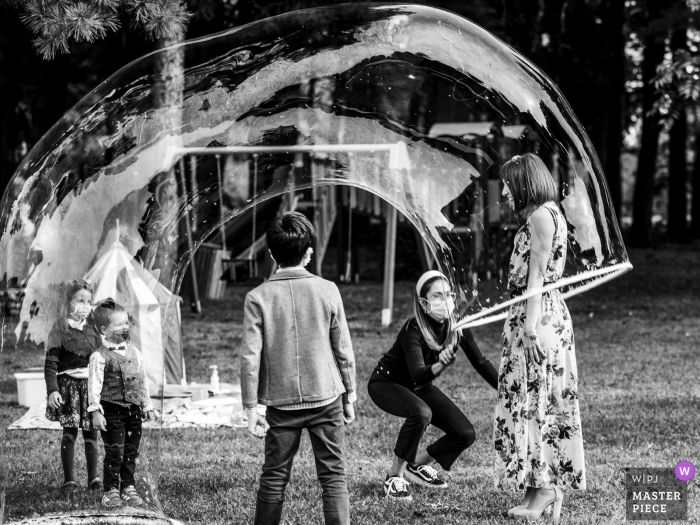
[[421, 408], [327, 432], [121, 439]]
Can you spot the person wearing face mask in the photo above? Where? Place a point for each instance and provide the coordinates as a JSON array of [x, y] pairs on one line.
[[71, 341], [402, 385], [119, 400]]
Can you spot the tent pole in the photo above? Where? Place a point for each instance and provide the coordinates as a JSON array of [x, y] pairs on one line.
[[348, 257], [389, 264], [195, 190], [222, 226], [194, 304], [254, 256], [426, 258]]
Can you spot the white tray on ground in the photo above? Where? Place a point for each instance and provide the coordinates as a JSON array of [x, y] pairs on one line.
[[217, 401]]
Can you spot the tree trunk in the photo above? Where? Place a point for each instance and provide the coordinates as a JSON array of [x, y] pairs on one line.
[[677, 230], [640, 234], [695, 205], [616, 100], [167, 97], [33, 93]]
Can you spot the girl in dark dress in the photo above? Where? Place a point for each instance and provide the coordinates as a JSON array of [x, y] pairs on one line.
[[401, 385], [71, 341]]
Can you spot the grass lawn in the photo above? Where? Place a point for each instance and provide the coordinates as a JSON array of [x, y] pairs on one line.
[[637, 343]]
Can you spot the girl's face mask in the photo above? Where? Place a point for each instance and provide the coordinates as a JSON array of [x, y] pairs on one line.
[[80, 311]]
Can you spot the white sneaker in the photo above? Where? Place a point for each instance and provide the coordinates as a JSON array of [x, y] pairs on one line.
[[396, 488]]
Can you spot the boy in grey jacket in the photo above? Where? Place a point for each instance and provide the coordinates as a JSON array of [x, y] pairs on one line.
[[297, 359]]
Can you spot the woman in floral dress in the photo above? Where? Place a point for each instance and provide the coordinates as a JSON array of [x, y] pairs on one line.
[[537, 427]]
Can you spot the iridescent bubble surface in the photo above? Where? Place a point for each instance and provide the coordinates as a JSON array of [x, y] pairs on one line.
[[460, 100]]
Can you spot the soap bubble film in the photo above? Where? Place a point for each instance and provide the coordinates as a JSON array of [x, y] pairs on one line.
[[414, 105]]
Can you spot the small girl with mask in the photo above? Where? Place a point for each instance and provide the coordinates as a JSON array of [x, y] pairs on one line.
[[402, 385], [119, 401], [71, 341]]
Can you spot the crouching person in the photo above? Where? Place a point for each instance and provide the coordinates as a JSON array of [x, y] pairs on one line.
[[119, 400]]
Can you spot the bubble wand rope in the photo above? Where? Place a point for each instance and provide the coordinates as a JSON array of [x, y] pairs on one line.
[[610, 273]]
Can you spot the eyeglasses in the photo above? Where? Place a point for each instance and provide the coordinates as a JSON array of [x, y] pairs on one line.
[[440, 297]]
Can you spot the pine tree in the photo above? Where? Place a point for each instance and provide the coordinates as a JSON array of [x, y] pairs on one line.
[[56, 22]]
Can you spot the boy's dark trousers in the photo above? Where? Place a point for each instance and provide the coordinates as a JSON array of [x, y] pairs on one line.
[[121, 440], [327, 432]]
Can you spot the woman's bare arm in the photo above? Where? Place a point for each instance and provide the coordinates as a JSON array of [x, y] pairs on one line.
[[542, 235]]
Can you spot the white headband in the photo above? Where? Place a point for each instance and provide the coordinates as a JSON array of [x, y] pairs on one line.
[[425, 277]]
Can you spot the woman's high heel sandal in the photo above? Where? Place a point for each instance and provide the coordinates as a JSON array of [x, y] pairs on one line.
[[536, 513]]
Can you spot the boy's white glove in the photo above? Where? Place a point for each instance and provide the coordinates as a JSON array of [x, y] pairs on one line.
[[348, 413], [257, 425]]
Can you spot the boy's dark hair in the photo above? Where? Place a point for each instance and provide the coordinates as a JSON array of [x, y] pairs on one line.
[[289, 237], [104, 312]]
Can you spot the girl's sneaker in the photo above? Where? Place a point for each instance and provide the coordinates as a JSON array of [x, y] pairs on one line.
[[396, 488], [425, 475], [130, 496], [111, 498]]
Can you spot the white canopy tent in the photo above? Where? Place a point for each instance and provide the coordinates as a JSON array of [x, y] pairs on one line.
[[117, 275]]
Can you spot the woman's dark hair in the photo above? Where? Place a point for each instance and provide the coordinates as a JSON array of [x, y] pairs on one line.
[[449, 337], [104, 312], [529, 182], [289, 237]]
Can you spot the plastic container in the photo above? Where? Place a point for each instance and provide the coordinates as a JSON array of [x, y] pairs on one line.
[[31, 388], [199, 392]]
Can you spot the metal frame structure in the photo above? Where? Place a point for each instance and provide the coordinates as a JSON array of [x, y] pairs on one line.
[[398, 159]]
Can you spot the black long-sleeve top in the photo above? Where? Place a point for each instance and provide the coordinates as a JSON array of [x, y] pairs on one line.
[[409, 361], [69, 348]]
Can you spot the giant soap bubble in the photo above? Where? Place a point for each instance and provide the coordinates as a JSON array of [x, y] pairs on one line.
[[414, 105]]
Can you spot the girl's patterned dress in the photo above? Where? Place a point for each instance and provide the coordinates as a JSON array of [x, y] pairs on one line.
[[70, 348], [537, 427]]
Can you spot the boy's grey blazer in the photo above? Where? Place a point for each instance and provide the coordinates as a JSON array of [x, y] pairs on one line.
[[296, 343]]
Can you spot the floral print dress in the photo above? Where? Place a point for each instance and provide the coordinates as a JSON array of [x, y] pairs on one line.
[[537, 427]]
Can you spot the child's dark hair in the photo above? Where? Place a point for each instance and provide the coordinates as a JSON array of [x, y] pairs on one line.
[[75, 286], [289, 237], [104, 312]]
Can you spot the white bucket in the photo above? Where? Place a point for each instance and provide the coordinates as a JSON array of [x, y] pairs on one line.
[[31, 388]]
